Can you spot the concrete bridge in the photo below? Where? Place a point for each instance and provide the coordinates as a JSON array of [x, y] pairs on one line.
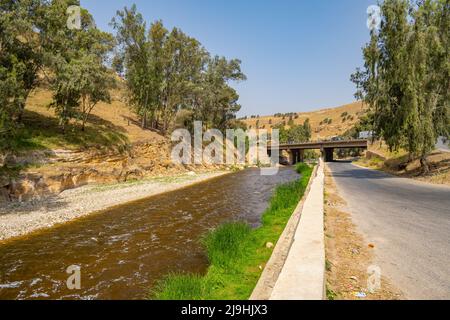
[[296, 151]]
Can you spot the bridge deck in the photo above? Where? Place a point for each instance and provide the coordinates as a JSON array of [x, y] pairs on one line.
[[323, 145]]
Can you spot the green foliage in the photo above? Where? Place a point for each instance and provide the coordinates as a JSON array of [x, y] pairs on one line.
[[224, 244], [20, 61], [169, 71], [326, 121], [34, 42], [179, 287], [302, 167], [331, 295], [81, 79], [405, 80], [236, 252], [296, 133]]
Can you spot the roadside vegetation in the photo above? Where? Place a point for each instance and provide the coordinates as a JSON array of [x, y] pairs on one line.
[[399, 163], [237, 254], [406, 76], [295, 133]]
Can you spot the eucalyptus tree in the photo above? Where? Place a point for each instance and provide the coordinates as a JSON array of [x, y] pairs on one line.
[[77, 58], [405, 80], [183, 63], [20, 58], [133, 56], [219, 101], [168, 72]]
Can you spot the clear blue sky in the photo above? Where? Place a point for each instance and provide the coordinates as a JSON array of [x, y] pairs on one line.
[[298, 55]]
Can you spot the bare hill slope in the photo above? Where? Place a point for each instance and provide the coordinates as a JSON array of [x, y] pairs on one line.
[[325, 123]]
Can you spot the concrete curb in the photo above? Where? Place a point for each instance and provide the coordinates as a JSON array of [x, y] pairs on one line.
[[273, 268], [303, 273]]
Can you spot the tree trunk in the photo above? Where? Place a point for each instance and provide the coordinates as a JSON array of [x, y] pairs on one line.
[[410, 157], [83, 122], [424, 165], [144, 120], [21, 111]]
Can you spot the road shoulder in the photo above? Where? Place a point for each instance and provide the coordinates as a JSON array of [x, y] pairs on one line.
[[348, 255]]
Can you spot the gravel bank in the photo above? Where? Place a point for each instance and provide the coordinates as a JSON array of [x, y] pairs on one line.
[[18, 219]]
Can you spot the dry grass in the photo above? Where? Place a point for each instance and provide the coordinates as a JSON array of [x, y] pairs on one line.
[[320, 131], [380, 158], [115, 118], [348, 255]]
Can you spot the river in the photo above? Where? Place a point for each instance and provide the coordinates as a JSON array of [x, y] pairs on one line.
[[122, 251]]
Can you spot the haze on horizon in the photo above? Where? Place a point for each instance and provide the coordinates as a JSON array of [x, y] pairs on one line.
[[298, 55]]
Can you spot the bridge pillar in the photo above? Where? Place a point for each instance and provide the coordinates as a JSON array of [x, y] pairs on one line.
[[329, 154], [301, 154], [291, 158]]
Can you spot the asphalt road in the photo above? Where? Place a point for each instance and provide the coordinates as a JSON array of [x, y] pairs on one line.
[[409, 223], [443, 145]]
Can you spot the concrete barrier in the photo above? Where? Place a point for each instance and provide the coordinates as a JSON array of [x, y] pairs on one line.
[[268, 280], [303, 273]]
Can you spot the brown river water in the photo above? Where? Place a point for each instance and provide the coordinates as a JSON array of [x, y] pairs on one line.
[[122, 251]]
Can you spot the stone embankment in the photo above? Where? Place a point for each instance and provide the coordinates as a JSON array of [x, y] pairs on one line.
[[41, 174]]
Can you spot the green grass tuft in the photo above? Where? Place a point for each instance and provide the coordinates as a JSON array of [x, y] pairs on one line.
[[179, 287], [237, 254], [225, 244], [331, 295]]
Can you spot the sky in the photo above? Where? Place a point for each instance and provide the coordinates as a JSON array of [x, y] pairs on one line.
[[298, 55]]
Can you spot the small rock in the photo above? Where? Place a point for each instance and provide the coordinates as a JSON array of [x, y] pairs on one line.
[[353, 278], [191, 173], [371, 246]]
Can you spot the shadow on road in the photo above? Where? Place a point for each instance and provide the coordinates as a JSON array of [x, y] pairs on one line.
[[344, 169]]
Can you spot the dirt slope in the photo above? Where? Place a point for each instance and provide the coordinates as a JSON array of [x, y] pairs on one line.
[[113, 148], [116, 117]]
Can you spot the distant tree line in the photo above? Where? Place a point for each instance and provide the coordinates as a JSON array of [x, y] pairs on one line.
[[326, 121], [286, 115], [406, 76]]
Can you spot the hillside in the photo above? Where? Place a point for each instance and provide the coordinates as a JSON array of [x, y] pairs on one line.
[[321, 130], [113, 148], [109, 125]]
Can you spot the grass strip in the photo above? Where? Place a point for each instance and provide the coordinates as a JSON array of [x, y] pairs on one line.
[[237, 253]]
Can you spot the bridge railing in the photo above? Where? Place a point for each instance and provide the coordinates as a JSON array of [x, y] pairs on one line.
[[269, 142]]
